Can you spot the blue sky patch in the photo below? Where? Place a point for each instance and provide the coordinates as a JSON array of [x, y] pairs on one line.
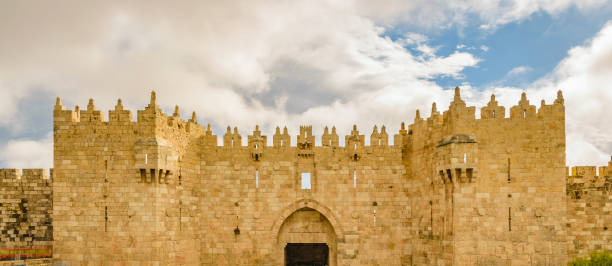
[[515, 54]]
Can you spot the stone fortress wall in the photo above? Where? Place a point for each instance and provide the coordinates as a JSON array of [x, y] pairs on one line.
[[452, 189], [589, 209], [26, 208]]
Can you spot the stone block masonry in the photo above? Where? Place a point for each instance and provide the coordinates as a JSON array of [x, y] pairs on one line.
[[452, 189], [589, 210], [26, 208]]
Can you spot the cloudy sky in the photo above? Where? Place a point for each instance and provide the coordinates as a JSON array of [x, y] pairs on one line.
[[302, 62]]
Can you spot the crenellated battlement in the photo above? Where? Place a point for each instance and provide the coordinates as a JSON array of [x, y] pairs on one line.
[[459, 118], [585, 178], [150, 118], [589, 171], [26, 175]]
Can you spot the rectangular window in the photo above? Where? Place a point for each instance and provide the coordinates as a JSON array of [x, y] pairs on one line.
[[354, 178], [257, 179], [306, 180]]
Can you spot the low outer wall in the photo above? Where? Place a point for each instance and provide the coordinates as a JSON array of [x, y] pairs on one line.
[[589, 211], [26, 208]]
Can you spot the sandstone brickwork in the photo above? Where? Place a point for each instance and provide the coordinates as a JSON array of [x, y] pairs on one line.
[[589, 210], [452, 189], [26, 209], [27, 262]]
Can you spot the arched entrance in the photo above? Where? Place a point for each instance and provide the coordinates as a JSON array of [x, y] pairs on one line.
[[306, 236]]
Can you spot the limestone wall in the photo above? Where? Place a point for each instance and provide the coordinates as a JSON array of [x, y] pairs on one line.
[[451, 190], [115, 190], [37, 262], [493, 187], [25, 212], [370, 213], [589, 210]]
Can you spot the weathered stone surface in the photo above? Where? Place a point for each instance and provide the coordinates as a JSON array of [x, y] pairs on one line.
[[26, 207], [450, 190]]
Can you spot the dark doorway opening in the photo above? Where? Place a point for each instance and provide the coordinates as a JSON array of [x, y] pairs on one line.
[[306, 254]]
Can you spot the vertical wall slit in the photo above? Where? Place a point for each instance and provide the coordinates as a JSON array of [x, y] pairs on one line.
[[105, 218], [256, 178], [354, 178], [509, 179], [374, 212], [509, 218], [180, 215], [452, 223], [180, 177], [431, 217]]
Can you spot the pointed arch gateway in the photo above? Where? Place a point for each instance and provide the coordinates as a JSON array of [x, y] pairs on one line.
[[307, 232]]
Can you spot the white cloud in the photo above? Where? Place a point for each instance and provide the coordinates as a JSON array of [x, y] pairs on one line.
[[484, 48], [200, 63], [427, 50], [27, 153], [518, 70], [414, 38], [490, 14], [585, 77]]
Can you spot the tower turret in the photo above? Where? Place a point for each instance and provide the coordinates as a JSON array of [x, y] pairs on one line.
[[257, 143], [281, 140], [354, 143]]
